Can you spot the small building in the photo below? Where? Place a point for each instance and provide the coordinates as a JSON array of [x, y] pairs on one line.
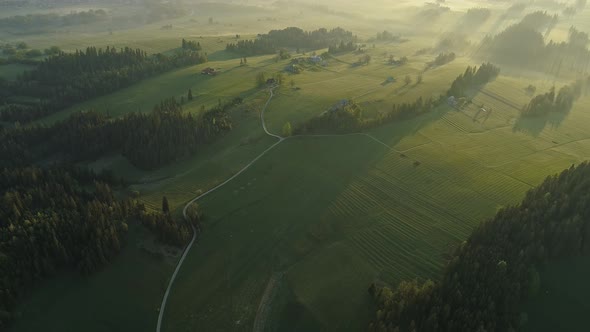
[[452, 101], [390, 79], [271, 81], [340, 105], [209, 71], [316, 59]]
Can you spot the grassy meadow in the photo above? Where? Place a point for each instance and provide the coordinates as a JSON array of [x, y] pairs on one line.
[[333, 224], [329, 214], [123, 296]]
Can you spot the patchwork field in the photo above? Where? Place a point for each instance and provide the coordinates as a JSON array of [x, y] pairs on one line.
[[320, 217], [332, 223]]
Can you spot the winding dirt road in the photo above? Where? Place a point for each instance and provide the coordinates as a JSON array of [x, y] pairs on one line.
[[280, 139], [195, 231]]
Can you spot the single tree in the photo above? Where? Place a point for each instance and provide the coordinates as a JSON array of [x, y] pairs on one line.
[[419, 79], [190, 95], [287, 129], [408, 80], [165, 206], [193, 214], [279, 78], [260, 79]]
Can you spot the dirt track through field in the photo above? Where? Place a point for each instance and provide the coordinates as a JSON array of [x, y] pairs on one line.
[[265, 306], [195, 231]]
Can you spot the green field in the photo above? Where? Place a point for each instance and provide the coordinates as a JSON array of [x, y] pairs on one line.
[[333, 223], [328, 214], [122, 297]]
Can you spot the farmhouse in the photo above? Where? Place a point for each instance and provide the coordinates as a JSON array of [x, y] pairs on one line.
[[340, 105], [209, 71], [452, 101], [315, 59], [271, 81]]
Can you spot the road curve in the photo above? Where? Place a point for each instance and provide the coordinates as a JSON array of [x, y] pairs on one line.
[[195, 231], [190, 245]]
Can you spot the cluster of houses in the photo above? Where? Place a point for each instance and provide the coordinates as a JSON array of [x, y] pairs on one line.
[[295, 66], [339, 106]]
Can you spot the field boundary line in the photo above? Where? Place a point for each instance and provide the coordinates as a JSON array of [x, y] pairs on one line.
[[272, 288], [196, 231]]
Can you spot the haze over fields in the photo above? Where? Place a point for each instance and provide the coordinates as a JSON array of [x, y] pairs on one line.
[[294, 165]]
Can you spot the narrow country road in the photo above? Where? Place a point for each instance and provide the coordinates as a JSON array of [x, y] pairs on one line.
[[195, 231], [280, 139]]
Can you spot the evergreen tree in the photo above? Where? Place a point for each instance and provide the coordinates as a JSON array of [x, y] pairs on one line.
[[165, 206]]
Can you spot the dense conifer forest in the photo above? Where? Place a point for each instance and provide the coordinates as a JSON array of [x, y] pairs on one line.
[[523, 44], [563, 101], [64, 79], [147, 140], [293, 38], [64, 218], [491, 273], [38, 22]]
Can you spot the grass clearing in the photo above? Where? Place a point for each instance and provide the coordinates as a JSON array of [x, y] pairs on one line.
[[310, 209], [121, 297]]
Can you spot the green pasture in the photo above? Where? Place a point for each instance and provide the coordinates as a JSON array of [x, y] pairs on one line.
[[233, 81], [337, 213], [329, 214], [123, 296]]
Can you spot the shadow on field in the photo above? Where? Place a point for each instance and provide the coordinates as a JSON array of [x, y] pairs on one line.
[[288, 314], [393, 133], [498, 23], [535, 126]]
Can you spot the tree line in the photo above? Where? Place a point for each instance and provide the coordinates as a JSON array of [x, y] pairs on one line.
[[523, 45], [64, 79], [148, 141], [34, 22], [563, 101], [442, 59], [342, 47], [292, 38], [191, 45], [64, 218], [347, 116], [472, 78], [495, 270]]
